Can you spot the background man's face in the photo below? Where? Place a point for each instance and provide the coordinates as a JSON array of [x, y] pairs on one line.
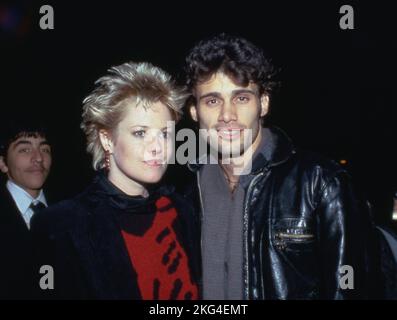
[[28, 163], [226, 109]]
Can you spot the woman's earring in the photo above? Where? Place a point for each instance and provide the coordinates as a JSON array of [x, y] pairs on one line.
[[107, 160]]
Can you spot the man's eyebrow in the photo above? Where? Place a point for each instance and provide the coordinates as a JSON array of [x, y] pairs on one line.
[[240, 91], [234, 92], [210, 94], [45, 142], [22, 142], [27, 142]]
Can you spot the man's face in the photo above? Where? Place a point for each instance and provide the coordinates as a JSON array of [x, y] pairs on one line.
[[226, 109], [28, 162]]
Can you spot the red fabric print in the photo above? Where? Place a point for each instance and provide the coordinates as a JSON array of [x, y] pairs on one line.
[[159, 260]]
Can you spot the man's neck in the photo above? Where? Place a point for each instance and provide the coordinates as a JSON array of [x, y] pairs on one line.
[[242, 164], [34, 193]]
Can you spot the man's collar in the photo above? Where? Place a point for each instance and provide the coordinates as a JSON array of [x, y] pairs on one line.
[[22, 198]]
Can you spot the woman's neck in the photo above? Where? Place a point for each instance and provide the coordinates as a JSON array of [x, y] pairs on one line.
[[128, 186]]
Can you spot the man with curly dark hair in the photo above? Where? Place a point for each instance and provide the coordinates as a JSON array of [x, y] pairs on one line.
[[288, 224]]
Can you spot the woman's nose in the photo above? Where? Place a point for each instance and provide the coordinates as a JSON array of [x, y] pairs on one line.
[[155, 145]]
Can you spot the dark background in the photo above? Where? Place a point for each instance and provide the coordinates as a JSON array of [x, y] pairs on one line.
[[338, 86]]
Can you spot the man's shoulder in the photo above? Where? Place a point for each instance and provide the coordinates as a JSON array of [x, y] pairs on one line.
[[318, 171], [7, 203], [313, 162], [5, 195], [10, 217], [319, 177]]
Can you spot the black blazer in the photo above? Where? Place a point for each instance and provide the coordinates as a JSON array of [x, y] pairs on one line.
[[83, 244], [16, 277]]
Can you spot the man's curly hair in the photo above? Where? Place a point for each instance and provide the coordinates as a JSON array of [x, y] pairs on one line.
[[236, 57]]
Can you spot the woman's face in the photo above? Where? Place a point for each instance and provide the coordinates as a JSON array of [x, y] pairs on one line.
[[140, 146]]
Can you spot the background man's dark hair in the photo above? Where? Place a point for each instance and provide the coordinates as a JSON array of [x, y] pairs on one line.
[[19, 126], [236, 57]]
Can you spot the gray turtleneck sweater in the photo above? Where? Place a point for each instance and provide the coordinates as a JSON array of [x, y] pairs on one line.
[[222, 229]]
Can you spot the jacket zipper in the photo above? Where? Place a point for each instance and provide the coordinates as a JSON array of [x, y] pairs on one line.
[[282, 237], [289, 236], [201, 222], [245, 236]]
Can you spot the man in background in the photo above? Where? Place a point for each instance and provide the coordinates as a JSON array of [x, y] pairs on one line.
[[25, 162]]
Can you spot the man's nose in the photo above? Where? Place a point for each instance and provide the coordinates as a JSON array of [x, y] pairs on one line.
[[228, 112], [37, 155]]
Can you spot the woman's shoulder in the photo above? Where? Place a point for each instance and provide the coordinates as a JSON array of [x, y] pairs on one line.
[[63, 214], [185, 208], [56, 216]]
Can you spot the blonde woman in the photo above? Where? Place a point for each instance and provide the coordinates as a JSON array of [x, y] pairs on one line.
[[127, 236]]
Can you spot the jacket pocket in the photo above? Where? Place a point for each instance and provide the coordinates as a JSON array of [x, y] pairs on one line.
[[294, 235], [295, 256], [285, 240]]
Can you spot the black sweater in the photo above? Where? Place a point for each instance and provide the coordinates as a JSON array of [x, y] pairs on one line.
[[84, 240]]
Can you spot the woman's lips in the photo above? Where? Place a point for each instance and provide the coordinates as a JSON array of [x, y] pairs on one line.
[[154, 163]]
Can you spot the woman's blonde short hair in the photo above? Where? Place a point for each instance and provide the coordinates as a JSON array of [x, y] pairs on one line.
[[140, 83]]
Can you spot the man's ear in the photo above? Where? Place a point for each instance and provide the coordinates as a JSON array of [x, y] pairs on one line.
[[193, 112], [106, 141], [3, 166], [264, 104]]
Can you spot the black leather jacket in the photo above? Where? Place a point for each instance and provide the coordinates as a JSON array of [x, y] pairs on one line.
[[302, 223]]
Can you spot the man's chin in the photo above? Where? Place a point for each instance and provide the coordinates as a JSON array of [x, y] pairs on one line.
[[231, 153], [34, 187], [234, 149], [36, 184]]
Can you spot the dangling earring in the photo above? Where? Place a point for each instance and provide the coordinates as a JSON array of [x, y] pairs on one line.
[[107, 160]]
